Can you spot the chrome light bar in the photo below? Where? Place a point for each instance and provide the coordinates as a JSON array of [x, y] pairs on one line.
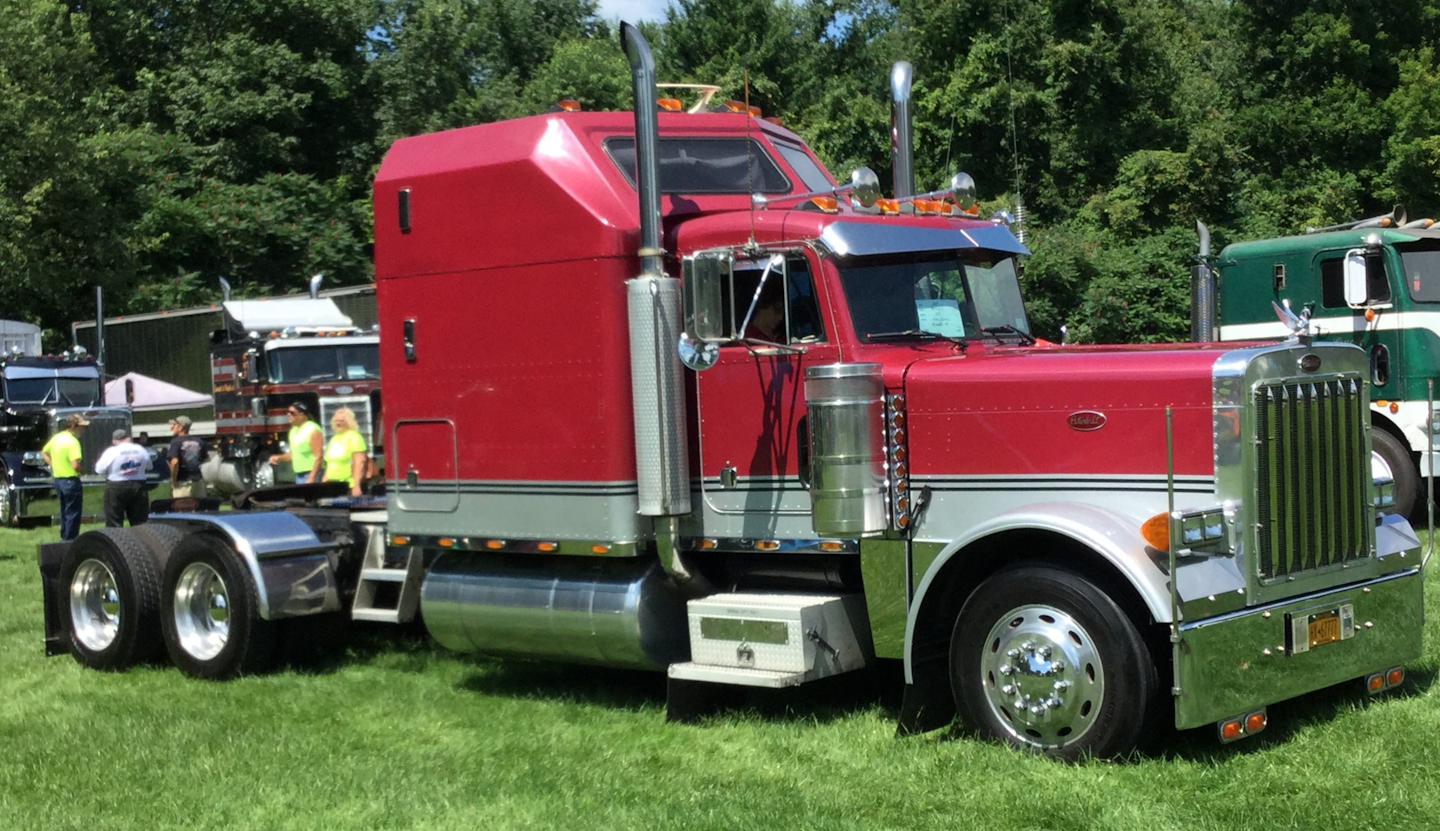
[[864, 187]]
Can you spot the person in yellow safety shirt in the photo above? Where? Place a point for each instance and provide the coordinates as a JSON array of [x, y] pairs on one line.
[[346, 454], [306, 440], [62, 454]]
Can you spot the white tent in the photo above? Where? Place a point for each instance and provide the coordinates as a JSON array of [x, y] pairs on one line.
[[153, 394]]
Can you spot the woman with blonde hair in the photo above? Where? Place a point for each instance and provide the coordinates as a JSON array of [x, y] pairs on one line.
[[345, 455]]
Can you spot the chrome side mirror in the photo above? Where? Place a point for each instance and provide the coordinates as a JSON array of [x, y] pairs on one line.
[[864, 186], [1357, 287], [251, 367], [962, 187], [702, 287]]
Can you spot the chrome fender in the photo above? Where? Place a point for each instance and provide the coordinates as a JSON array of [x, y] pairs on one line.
[[289, 563], [1114, 536]]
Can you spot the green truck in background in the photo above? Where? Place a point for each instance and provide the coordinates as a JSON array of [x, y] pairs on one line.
[[1374, 283]]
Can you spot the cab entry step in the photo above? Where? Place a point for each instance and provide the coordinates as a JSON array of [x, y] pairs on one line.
[[774, 640]]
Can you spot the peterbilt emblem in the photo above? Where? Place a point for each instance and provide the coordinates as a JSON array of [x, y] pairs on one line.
[[1085, 420], [344, 389], [1310, 362]]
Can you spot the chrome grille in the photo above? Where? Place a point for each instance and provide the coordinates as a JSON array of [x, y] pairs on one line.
[[95, 438], [358, 404], [1313, 475]]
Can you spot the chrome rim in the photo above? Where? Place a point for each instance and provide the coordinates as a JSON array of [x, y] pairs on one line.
[[1043, 677], [202, 611], [264, 476], [5, 506], [1379, 468], [94, 605]]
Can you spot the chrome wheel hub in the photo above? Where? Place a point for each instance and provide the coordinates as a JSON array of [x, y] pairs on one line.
[[94, 605], [1379, 468], [5, 514], [1043, 677], [202, 611]]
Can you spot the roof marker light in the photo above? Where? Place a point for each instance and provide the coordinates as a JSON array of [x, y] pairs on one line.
[[753, 110], [828, 204], [735, 106], [775, 119], [669, 104], [569, 105]]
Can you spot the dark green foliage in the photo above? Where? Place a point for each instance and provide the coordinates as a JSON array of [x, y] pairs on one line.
[[151, 146]]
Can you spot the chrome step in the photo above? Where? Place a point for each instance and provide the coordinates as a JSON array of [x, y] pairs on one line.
[[773, 679], [376, 615], [373, 574]]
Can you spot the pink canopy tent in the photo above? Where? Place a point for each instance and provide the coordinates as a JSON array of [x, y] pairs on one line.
[[153, 394]]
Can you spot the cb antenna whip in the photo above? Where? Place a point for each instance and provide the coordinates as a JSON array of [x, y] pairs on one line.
[[1020, 216]]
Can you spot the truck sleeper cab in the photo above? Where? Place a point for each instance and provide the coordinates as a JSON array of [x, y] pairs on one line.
[[863, 457]]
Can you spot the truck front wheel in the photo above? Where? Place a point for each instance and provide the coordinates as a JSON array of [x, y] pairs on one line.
[[1041, 658], [211, 612]]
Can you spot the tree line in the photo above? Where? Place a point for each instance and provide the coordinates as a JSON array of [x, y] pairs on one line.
[[151, 146]]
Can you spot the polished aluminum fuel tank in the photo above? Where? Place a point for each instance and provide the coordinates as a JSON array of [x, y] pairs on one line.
[[613, 612], [847, 448]]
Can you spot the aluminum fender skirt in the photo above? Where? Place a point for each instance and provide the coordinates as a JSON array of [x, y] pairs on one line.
[[1115, 537], [290, 564], [1234, 663]]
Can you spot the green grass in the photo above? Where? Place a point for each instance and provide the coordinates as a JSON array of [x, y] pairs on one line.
[[397, 733]]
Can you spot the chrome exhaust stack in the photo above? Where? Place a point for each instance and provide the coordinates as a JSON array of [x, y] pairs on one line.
[[1203, 299], [656, 375], [315, 286], [901, 141]]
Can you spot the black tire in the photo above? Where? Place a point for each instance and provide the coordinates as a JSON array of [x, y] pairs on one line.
[[162, 540], [201, 565], [1088, 637], [1402, 469], [9, 504], [133, 595]]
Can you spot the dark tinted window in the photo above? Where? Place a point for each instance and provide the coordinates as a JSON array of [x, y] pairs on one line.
[[797, 320], [1422, 272], [1332, 282], [705, 165], [324, 363], [810, 173]]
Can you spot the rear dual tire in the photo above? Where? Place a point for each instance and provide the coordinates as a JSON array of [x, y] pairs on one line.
[[210, 613], [111, 582]]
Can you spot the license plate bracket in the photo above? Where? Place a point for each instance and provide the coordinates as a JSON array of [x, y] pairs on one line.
[[1306, 630]]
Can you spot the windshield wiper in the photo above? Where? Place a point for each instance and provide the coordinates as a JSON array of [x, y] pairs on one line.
[[1006, 329], [903, 333]]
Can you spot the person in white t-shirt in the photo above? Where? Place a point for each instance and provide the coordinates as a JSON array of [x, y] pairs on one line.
[[124, 464]]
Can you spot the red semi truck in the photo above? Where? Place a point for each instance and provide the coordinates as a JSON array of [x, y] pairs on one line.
[[660, 394]]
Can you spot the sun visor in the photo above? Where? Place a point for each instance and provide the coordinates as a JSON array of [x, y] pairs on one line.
[[869, 239], [304, 314]]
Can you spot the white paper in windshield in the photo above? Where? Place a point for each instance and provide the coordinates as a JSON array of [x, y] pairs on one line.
[[941, 317], [354, 371]]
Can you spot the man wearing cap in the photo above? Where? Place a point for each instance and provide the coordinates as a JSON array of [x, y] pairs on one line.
[[306, 442], [124, 464], [62, 454], [185, 454]]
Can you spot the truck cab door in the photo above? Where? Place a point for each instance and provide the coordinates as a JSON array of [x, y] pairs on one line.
[[751, 404]]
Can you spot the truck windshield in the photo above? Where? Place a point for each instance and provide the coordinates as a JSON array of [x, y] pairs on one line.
[[348, 362], [1422, 271], [73, 392], [935, 294]]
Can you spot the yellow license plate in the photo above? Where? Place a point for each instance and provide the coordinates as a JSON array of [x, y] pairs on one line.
[[1324, 628]]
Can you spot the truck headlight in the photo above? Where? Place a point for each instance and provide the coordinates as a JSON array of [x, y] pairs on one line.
[[1206, 525], [1382, 495], [240, 451], [33, 458]]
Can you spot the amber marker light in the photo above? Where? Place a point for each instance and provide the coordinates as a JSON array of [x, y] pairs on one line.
[[735, 106], [1375, 683], [768, 545], [775, 119], [599, 549], [831, 546], [399, 540], [1156, 531], [1369, 315], [494, 545], [1395, 677], [1231, 730], [828, 204], [708, 545], [1255, 722], [548, 546], [888, 206], [446, 542], [569, 105], [669, 104]]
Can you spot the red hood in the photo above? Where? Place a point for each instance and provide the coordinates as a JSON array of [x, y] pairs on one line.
[[1029, 411]]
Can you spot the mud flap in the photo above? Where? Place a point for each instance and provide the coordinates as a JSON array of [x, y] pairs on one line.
[[929, 703], [51, 554]]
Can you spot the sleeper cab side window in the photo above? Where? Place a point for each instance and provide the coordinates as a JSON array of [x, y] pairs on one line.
[[787, 311], [1332, 281]]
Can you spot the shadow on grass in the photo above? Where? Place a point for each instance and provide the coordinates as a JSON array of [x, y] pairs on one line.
[[1286, 718], [819, 701], [6, 557]]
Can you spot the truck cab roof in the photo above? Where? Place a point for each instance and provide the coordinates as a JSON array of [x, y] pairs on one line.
[[1305, 243]]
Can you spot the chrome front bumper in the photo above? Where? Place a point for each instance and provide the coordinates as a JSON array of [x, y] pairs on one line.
[[1231, 664], [37, 504]]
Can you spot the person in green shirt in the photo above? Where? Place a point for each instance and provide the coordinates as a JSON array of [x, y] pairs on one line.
[[62, 454], [305, 439], [346, 454]]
